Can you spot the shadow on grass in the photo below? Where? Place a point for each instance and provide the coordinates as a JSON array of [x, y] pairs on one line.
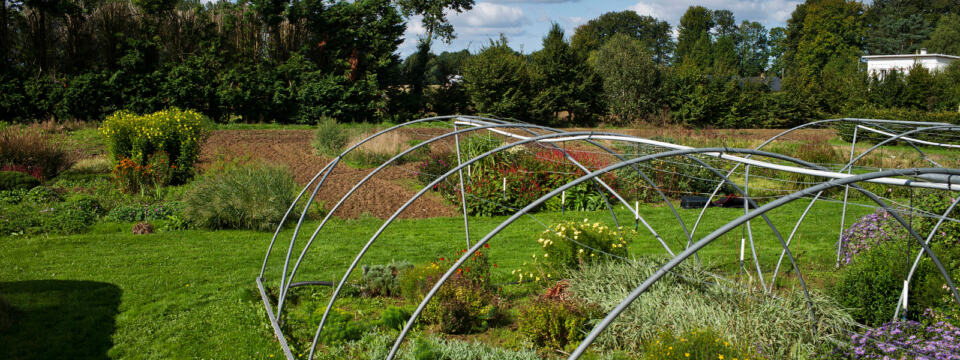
[[58, 319]]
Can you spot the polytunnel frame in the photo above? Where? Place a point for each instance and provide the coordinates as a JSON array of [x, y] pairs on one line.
[[857, 122], [588, 136]]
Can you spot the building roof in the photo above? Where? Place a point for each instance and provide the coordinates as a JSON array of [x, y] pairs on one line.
[[909, 56]]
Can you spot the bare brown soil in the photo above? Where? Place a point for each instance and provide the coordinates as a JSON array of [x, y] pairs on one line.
[[381, 196]]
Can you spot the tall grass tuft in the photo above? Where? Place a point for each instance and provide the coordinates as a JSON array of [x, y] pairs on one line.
[[247, 196], [777, 327], [33, 152]]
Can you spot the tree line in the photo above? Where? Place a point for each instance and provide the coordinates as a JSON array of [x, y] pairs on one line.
[[297, 61]]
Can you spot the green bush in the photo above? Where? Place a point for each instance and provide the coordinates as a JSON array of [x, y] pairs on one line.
[[177, 135], [14, 180], [240, 197], [33, 152], [394, 318], [554, 323], [330, 138], [381, 280], [695, 344], [341, 326], [871, 285], [416, 282], [461, 306]]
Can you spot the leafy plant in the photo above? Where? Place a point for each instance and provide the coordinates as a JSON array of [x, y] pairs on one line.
[[14, 180], [247, 196], [394, 317], [462, 306], [555, 321], [381, 280], [340, 326], [936, 203], [869, 231]]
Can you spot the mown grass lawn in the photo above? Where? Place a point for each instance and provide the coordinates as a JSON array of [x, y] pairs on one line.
[[191, 294]]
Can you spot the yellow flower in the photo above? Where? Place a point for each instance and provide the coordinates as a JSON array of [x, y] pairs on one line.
[[686, 354], [719, 356]]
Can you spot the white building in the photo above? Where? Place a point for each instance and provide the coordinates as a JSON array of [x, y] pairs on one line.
[[881, 65]]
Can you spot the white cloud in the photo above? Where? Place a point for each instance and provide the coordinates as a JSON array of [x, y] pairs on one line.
[[490, 16], [767, 12], [534, 1]]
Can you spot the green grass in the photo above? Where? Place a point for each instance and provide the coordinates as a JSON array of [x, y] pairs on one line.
[[191, 294]]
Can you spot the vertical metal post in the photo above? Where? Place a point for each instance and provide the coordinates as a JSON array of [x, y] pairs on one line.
[[846, 193], [463, 193], [746, 208]]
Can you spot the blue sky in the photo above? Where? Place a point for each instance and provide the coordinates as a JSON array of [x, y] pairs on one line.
[[526, 22]]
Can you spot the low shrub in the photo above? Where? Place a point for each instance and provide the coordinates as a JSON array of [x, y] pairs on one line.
[[341, 326], [14, 180], [870, 286], [240, 197], [170, 138], [330, 138], [381, 280], [461, 306], [72, 216], [32, 152], [394, 318], [571, 244], [554, 320], [902, 340], [695, 344], [689, 299], [417, 281], [153, 175]]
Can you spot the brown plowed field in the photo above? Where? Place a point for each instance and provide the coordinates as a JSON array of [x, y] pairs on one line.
[[381, 196]]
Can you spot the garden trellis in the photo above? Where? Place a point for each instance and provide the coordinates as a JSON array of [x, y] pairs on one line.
[[828, 177]]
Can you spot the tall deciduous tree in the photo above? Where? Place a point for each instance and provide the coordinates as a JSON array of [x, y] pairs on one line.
[[631, 80], [654, 33], [434, 16]]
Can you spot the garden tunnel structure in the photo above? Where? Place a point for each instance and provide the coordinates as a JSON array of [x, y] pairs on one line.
[[728, 167]]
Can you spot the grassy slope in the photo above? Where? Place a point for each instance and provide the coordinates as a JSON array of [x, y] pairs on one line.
[[191, 294]]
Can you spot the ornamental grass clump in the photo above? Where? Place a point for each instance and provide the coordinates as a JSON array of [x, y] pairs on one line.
[[688, 298], [33, 152], [247, 196], [162, 146]]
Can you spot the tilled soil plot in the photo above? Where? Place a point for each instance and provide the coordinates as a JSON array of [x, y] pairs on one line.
[[380, 196]]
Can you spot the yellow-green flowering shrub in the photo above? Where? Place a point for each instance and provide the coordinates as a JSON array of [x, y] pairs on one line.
[[178, 134], [570, 244]]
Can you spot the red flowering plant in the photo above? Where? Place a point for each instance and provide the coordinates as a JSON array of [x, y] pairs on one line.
[[416, 282], [133, 177], [514, 178]]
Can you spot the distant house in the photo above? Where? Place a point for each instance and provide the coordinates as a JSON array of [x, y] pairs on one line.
[[881, 65]]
